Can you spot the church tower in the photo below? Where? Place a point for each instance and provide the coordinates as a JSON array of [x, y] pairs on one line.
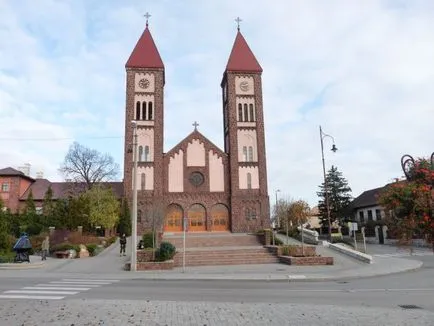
[[144, 104], [244, 139]]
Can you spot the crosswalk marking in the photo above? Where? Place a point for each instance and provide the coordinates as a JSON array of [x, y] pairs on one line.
[[41, 292], [71, 285], [87, 280], [37, 297], [80, 283], [55, 290]]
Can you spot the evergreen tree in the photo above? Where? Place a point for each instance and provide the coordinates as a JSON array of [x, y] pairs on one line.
[[124, 225], [4, 230], [48, 208], [339, 194]]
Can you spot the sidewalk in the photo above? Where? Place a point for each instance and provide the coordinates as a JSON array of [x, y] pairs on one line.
[[109, 265]]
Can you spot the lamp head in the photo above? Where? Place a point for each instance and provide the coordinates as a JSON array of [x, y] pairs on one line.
[[334, 148]]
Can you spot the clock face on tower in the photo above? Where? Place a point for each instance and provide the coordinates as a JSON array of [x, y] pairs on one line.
[[144, 83], [244, 86]]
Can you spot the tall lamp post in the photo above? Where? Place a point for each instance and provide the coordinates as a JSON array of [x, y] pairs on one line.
[[277, 216], [326, 190], [133, 267]]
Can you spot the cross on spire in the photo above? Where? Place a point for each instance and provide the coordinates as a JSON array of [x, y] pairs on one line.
[[195, 125], [238, 20], [147, 15]]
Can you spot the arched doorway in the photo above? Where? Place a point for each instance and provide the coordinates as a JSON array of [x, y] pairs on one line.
[[173, 219], [220, 218], [196, 218]]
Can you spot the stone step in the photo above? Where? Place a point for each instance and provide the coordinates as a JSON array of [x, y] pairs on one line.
[[210, 240], [222, 256]]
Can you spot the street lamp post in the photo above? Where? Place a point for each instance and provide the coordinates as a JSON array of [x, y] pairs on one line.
[[133, 267], [277, 216], [334, 149]]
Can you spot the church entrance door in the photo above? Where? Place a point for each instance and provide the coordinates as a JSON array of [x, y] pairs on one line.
[[173, 220], [220, 218], [196, 218]]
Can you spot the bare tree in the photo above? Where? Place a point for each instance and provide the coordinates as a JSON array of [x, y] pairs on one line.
[[87, 165]]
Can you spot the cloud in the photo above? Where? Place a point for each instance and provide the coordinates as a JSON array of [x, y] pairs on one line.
[[362, 70]]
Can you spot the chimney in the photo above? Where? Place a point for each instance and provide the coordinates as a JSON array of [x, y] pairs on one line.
[[25, 169]]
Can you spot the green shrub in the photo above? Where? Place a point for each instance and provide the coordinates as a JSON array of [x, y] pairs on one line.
[[92, 248], [7, 257], [65, 246], [166, 251], [34, 229], [147, 240]]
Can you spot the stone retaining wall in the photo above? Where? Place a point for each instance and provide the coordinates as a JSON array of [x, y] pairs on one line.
[[317, 260]]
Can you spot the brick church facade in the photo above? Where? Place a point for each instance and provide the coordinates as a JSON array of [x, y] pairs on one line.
[[196, 182]]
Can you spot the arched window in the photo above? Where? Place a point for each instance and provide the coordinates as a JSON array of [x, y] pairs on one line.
[[140, 158], [147, 158], [249, 181], [246, 113], [138, 110], [252, 116], [143, 181], [240, 112], [143, 110], [250, 154], [244, 153], [150, 112]]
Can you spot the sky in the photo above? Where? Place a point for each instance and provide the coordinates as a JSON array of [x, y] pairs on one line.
[[363, 70]]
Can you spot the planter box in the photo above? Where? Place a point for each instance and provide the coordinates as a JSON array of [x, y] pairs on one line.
[[297, 251], [307, 261], [150, 266], [145, 255]]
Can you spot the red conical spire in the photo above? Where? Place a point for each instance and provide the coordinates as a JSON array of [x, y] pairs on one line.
[[145, 53], [242, 58]]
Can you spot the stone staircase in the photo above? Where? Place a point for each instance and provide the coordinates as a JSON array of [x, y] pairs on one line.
[[222, 248]]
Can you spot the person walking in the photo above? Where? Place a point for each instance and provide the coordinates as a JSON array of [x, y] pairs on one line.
[[45, 247], [123, 242]]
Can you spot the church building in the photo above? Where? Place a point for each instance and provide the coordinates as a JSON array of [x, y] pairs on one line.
[[210, 189]]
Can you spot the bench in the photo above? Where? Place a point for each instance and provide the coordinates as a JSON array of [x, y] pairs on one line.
[[62, 254]]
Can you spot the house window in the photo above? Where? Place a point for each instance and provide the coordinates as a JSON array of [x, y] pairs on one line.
[[361, 217], [138, 111], [250, 154], [39, 210], [240, 112], [249, 181], [146, 154], [244, 153], [5, 187], [150, 112], [140, 153], [139, 216], [252, 116], [143, 181], [378, 214], [370, 215]]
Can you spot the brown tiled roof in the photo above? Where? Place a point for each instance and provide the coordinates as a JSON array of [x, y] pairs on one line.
[[367, 198], [65, 189], [11, 172]]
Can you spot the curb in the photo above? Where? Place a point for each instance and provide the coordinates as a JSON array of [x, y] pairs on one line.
[[21, 266], [282, 278]]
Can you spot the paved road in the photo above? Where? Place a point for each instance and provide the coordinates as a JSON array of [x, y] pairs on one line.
[[71, 297]]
